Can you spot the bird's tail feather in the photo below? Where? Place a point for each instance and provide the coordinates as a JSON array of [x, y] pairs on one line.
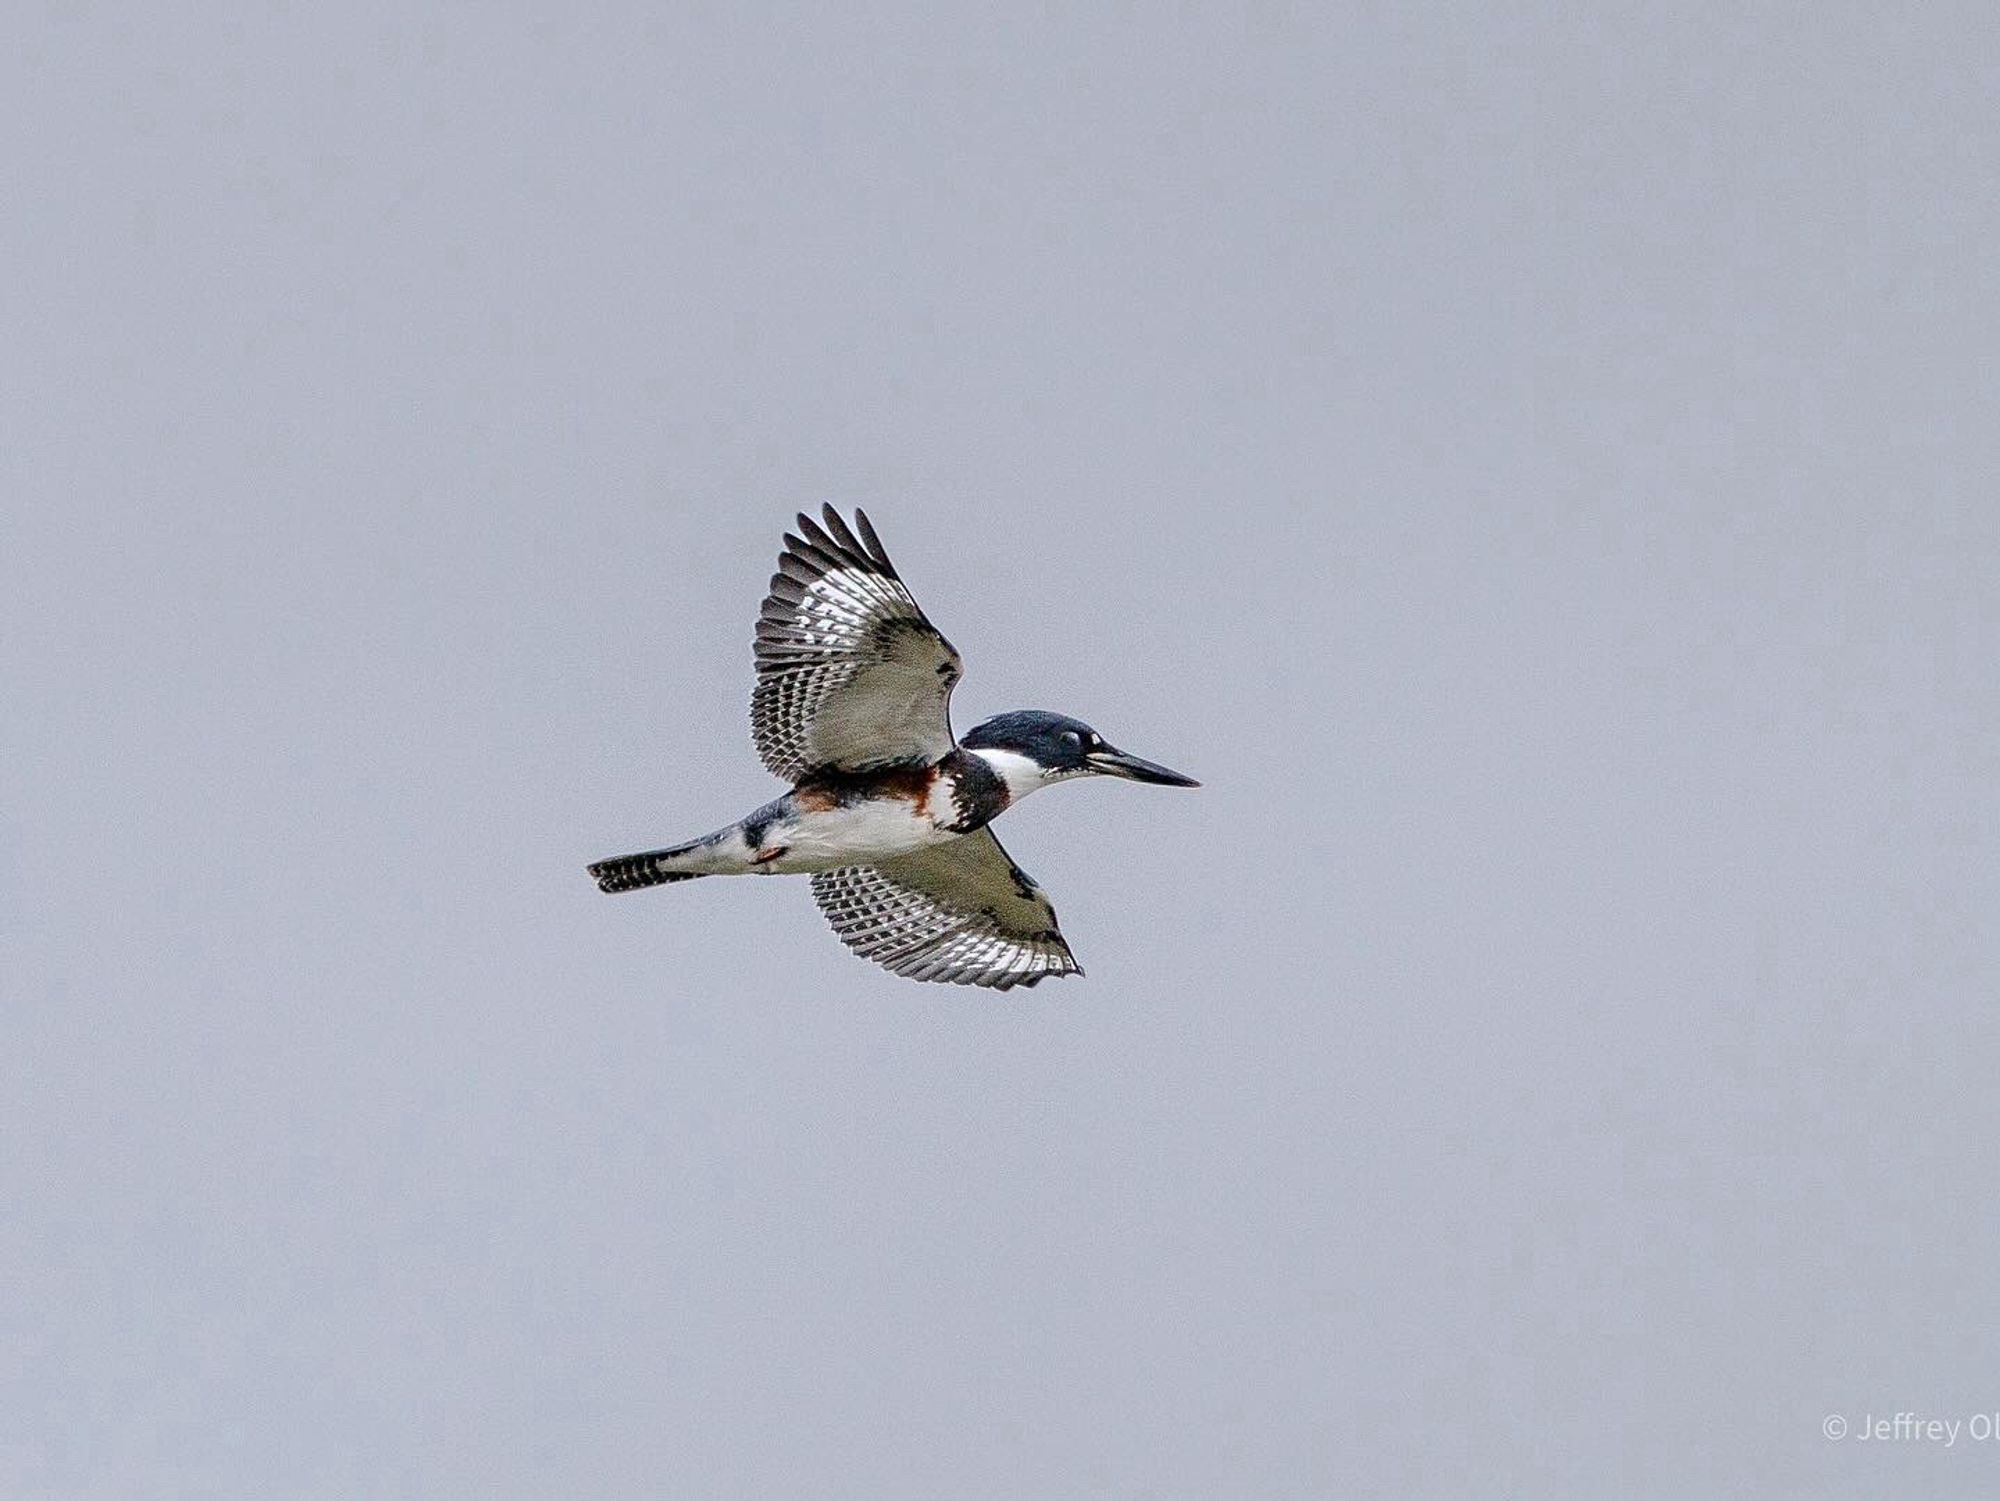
[[653, 868]]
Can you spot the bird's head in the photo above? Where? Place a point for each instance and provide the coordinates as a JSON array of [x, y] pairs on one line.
[[1031, 748]]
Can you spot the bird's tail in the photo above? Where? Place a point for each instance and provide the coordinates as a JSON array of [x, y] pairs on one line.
[[653, 868]]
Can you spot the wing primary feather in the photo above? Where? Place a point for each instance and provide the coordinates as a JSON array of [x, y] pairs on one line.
[[815, 534], [871, 541], [809, 551], [795, 566], [843, 535], [819, 557]]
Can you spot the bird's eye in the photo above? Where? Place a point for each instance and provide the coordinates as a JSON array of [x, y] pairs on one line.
[[1073, 740]]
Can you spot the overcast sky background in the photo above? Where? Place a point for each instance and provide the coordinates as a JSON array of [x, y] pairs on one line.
[[1537, 468]]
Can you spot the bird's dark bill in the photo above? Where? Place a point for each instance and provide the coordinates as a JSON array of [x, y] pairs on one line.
[[1118, 763]]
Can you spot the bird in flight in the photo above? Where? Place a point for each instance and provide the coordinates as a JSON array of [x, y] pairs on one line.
[[889, 813]]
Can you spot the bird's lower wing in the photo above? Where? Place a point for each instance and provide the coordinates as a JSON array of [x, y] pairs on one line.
[[960, 913]]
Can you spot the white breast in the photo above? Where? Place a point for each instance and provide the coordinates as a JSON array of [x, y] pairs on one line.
[[853, 835]]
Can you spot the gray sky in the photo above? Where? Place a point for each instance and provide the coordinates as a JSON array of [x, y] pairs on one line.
[[1539, 473]]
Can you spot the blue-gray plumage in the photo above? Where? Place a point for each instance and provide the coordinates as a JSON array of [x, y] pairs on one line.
[[888, 813]]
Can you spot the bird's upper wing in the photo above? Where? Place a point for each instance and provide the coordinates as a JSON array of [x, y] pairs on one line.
[[850, 675], [960, 912]]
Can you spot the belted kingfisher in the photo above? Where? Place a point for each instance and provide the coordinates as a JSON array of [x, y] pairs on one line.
[[888, 813]]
